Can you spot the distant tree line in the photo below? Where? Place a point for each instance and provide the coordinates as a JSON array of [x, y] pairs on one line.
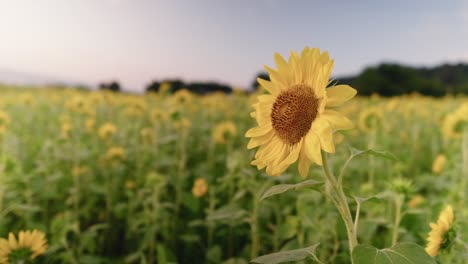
[[195, 87], [394, 79], [386, 79]]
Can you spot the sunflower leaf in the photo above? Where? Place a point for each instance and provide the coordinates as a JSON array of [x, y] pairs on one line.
[[287, 256], [281, 188], [402, 253], [383, 154]]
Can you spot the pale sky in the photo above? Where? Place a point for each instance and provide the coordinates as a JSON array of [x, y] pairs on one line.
[[136, 41]]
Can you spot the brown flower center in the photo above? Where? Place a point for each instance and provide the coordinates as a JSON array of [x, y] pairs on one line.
[[293, 113]]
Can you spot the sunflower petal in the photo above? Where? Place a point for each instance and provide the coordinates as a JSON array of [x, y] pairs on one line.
[[337, 120], [259, 131], [312, 148], [324, 131], [339, 94]]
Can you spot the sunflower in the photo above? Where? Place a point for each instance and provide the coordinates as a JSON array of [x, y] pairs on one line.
[[115, 154], [439, 164], [222, 131], [455, 122], [200, 187], [107, 130], [369, 119], [439, 236], [29, 244], [294, 120]]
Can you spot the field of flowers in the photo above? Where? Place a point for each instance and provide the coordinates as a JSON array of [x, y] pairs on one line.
[[166, 178]]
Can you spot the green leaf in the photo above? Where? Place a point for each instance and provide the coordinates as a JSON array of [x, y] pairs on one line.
[[402, 253], [281, 188], [383, 154], [287, 256], [231, 214]]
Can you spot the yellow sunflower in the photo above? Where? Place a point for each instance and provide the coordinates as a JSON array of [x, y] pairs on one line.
[[107, 130], [439, 235], [369, 119], [294, 120], [222, 131], [439, 164], [28, 245], [455, 122], [200, 187]]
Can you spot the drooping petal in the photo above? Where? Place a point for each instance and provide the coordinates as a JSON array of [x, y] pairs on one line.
[[324, 132], [290, 158], [337, 120], [304, 162], [312, 148], [339, 94]]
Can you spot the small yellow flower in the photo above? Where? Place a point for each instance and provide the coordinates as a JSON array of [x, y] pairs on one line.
[[158, 115], [89, 124], [224, 130], [455, 122], [79, 170], [34, 241], [66, 130], [107, 130], [182, 97], [438, 236], [415, 201], [200, 187], [182, 124], [4, 119], [439, 164], [115, 154], [130, 185]]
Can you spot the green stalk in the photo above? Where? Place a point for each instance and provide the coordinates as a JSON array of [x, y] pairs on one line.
[[341, 203], [396, 224]]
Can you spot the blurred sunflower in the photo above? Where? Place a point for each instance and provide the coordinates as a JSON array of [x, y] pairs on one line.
[[223, 130], [415, 201], [294, 122], [4, 118], [369, 119], [439, 164], [200, 187], [27, 246], [107, 130], [455, 122], [66, 130], [440, 235], [89, 124], [4, 121], [115, 154]]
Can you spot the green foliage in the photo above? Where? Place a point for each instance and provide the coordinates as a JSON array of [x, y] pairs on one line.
[[287, 256], [394, 79], [403, 253], [281, 188]]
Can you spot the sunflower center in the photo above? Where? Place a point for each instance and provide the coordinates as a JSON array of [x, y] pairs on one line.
[[293, 113]]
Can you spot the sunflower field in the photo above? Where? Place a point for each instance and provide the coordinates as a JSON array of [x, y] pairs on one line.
[[102, 177]]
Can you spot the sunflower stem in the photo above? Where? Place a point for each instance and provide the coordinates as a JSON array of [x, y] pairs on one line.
[[341, 203]]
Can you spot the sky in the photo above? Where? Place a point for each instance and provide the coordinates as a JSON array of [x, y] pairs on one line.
[[137, 41]]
